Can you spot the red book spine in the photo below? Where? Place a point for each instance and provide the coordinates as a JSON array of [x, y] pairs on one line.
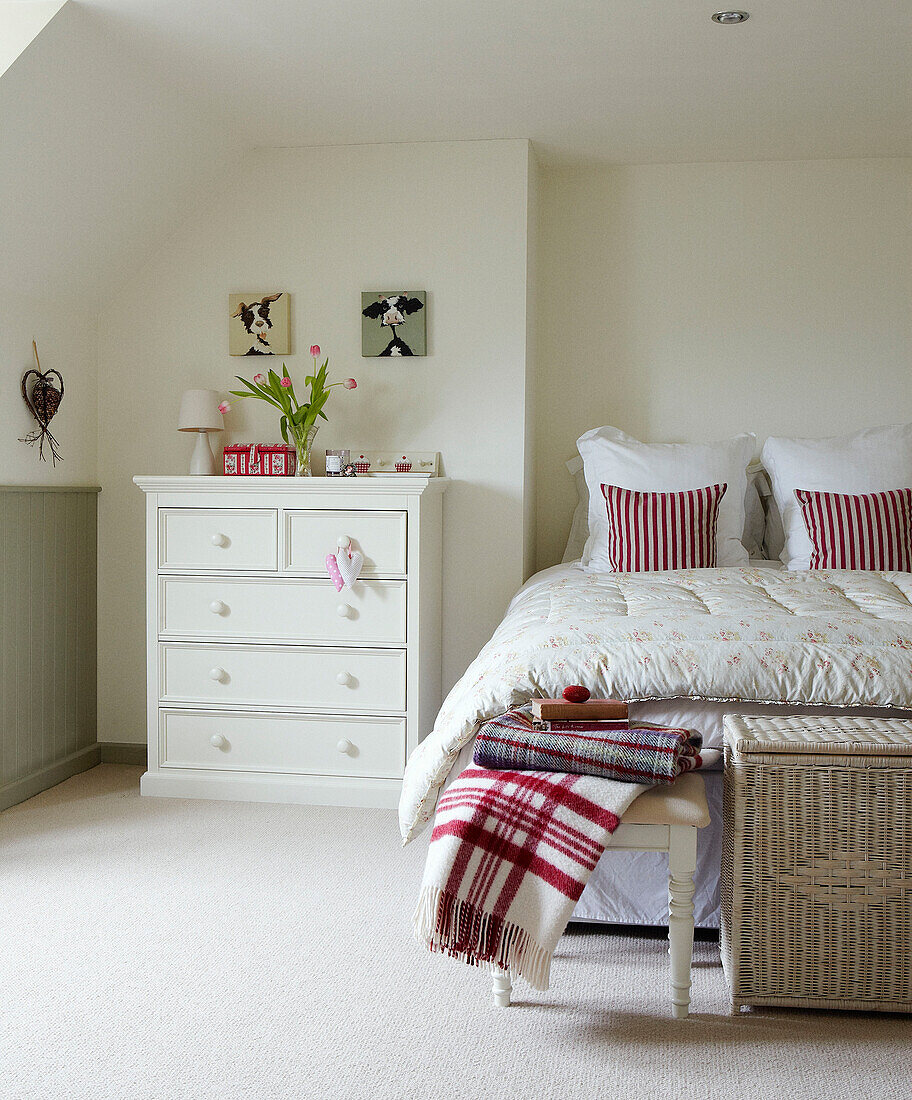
[[594, 710]]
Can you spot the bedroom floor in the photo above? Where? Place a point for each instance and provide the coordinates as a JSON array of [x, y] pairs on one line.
[[154, 948]]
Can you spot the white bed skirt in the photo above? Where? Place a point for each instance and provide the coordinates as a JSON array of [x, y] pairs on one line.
[[632, 887]]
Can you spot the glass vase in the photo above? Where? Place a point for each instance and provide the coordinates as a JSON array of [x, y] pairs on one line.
[[303, 445]]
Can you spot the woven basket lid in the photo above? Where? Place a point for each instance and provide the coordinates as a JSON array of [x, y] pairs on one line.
[[829, 736]]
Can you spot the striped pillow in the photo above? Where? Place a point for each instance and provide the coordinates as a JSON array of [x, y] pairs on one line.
[[650, 531], [869, 531]]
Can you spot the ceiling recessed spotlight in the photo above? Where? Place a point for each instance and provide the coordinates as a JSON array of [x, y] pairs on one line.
[[728, 18]]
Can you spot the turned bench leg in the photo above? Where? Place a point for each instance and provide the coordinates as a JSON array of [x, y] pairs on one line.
[[502, 988], [682, 862]]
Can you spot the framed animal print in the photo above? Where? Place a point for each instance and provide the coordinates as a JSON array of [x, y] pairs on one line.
[[393, 323], [258, 324]]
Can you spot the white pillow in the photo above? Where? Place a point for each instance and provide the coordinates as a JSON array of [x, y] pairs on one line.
[[612, 458], [579, 528], [869, 461], [754, 515], [757, 498]]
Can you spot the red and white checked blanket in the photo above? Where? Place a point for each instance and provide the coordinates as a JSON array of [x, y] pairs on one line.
[[509, 857]]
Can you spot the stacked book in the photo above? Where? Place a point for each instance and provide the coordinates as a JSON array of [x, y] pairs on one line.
[[595, 715]]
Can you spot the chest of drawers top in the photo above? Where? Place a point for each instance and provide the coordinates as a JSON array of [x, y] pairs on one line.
[[282, 525]]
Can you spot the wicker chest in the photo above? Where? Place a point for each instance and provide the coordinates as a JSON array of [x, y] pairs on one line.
[[817, 862]]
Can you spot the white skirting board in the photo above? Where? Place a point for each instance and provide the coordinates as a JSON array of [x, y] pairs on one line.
[[303, 790]]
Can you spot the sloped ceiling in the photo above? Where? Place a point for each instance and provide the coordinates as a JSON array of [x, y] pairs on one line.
[[20, 22], [98, 152]]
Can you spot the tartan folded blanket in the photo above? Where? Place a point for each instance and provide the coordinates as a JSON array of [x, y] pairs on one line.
[[510, 854], [645, 754]]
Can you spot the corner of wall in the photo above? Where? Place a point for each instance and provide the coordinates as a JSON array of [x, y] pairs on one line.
[[533, 218]]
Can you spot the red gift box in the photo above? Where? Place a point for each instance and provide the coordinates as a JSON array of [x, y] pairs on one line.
[[260, 459]]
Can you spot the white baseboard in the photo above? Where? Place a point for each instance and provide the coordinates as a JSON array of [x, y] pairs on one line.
[[306, 790]]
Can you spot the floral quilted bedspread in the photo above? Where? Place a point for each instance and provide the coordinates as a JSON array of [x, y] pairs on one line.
[[839, 638]]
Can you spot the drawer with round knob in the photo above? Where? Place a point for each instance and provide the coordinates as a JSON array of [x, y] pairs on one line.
[[213, 539], [303, 744], [325, 678], [300, 610], [380, 538]]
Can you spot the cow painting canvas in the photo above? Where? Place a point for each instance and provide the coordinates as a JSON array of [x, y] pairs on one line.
[[393, 323], [258, 324]]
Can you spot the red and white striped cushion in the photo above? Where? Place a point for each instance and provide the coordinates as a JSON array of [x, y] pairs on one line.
[[869, 531], [650, 531]]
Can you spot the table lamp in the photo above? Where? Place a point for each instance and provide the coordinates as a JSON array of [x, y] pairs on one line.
[[199, 413]]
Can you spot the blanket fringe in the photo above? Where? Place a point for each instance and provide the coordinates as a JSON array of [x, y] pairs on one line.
[[447, 924]]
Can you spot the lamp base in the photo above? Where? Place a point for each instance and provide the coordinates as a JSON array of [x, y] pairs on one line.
[[202, 460]]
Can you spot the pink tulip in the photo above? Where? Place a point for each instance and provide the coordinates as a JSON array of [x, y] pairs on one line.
[[260, 379], [314, 350], [350, 384], [224, 407], [286, 381]]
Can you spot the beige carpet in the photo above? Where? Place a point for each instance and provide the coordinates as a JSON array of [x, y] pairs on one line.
[[153, 948]]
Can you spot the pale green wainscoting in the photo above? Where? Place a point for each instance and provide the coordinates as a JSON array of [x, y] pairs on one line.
[[47, 637]]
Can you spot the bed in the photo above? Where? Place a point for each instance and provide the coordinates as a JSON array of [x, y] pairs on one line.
[[685, 647]]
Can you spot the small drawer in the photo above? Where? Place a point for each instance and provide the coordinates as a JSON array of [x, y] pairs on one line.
[[303, 744], [380, 536], [217, 538], [304, 610], [284, 676]]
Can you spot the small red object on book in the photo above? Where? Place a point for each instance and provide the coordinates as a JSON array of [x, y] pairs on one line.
[[576, 693], [593, 710]]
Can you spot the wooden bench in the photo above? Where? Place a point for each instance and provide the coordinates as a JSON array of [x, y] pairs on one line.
[[663, 819]]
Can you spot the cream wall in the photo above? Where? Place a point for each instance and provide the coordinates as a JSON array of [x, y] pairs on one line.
[[325, 224], [681, 302]]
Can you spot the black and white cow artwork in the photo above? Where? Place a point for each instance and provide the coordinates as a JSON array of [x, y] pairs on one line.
[[255, 319], [392, 311]]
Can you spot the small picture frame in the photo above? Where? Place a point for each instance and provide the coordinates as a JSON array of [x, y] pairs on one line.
[[393, 323], [258, 324]]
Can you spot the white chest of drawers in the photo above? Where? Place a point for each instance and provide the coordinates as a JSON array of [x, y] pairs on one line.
[[264, 683]]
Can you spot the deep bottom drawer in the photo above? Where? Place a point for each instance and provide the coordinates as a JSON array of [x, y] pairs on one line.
[[312, 744]]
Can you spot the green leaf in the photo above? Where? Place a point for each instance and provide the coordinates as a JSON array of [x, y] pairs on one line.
[[283, 425], [261, 396], [250, 386]]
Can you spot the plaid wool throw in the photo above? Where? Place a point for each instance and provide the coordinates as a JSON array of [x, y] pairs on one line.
[[510, 854], [645, 754]]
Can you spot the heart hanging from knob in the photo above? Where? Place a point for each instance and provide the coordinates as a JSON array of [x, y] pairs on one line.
[[43, 402], [350, 563]]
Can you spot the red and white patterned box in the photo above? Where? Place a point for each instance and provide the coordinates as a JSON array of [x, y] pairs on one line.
[[260, 459]]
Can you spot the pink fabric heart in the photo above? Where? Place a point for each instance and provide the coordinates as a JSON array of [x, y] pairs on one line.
[[332, 567]]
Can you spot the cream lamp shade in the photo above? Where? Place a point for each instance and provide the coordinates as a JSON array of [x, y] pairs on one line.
[[199, 412]]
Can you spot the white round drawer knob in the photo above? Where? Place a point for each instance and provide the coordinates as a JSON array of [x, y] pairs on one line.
[[217, 741], [343, 611], [343, 678], [345, 746], [343, 542], [219, 539], [217, 674], [217, 607]]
